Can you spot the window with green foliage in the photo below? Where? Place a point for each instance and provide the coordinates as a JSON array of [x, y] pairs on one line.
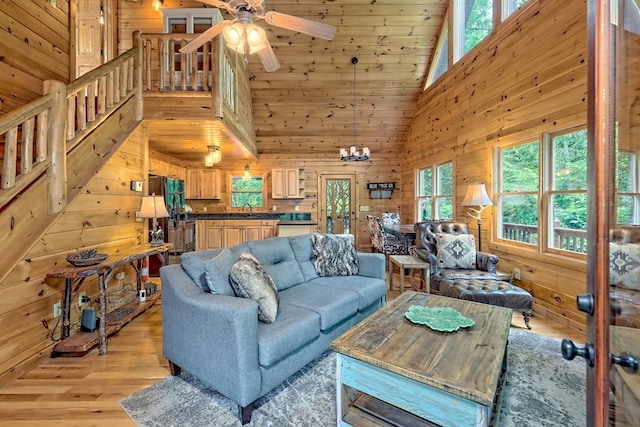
[[247, 191], [517, 193], [435, 192], [478, 22], [510, 6]]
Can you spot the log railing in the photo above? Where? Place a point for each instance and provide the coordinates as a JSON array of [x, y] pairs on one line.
[[564, 238], [37, 136]]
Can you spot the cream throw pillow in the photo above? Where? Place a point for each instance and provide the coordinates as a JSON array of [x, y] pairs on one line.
[[456, 251], [624, 265]]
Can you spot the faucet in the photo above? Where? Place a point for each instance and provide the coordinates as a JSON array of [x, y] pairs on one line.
[[250, 208]]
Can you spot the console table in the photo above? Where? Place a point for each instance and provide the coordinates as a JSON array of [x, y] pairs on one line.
[[75, 276]]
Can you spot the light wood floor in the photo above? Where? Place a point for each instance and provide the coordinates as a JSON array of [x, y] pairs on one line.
[[84, 391]]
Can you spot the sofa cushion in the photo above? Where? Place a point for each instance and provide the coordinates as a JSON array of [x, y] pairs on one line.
[[624, 265], [193, 263], [335, 254], [249, 280], [217, 271], [333, 307], [278, 260], [368, 289], [303, 251], [456, 250], [293, 328]]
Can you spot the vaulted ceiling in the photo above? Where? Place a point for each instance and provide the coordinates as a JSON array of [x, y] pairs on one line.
[[306, 107]]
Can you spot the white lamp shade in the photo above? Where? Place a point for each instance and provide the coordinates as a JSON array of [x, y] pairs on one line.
[[153, 207], [476, 196]]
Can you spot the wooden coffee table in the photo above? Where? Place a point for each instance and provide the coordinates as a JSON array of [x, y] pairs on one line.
[[411, 375]]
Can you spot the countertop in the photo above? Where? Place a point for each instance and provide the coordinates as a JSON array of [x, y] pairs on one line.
[[303, 218]]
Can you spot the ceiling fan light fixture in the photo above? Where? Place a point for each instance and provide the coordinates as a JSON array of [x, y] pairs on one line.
[[233, 34], [255, 36], [214, 155]]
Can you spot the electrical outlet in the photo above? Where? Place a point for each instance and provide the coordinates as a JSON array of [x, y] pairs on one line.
[[516, 273], [57, 309], [81, 298]]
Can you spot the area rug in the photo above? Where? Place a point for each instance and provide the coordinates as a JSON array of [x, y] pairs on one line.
[[542, 390]]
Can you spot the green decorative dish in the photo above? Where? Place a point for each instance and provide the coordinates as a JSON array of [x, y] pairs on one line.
[[442, 319]]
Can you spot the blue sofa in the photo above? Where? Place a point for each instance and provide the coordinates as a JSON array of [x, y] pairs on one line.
[[219, 339]]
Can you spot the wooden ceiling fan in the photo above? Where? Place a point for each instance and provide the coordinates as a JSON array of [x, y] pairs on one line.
[[242, 34]]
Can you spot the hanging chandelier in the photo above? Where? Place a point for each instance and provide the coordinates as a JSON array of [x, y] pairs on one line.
[[214, 155], [355, 152]]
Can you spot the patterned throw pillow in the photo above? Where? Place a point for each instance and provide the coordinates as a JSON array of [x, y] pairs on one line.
[[335, 254], [456, 251], [624, 261], [249, 280]]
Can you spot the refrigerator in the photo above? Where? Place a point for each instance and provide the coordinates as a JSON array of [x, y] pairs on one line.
[[172, 190]]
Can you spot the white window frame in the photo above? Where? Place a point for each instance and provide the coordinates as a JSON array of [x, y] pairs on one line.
[[435, 197], [634, 192]]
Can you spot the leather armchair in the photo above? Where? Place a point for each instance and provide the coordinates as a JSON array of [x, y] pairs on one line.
[[426, 249]]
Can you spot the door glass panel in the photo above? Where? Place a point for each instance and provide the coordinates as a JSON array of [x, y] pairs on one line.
[[338, 205], [624, 244]]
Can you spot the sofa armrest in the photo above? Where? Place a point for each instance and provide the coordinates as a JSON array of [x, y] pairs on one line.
[[371, 265], [214, 337], [427, 256], [486, 262]]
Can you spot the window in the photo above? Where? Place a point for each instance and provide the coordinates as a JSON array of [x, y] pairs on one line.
[[542, 198], [477, 22], [510, 6], [517, 195], [567, 195], [435, 192], [247, 190], [627, 185], [441, 57]]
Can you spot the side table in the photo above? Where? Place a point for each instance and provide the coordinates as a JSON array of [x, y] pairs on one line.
[[413, 263]]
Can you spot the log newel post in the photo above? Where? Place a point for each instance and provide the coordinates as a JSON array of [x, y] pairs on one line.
[[57, 146], [139, 68]]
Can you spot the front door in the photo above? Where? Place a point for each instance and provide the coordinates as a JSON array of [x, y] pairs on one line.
[[337, 201]]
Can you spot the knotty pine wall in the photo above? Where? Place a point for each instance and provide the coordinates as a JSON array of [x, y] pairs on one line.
[[34, 47], [528, 77], [102, 216]]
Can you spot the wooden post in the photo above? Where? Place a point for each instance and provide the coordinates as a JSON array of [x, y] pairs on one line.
[[56, 129], [139, 65]]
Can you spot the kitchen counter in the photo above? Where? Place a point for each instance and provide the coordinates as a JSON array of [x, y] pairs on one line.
[[285, 218]]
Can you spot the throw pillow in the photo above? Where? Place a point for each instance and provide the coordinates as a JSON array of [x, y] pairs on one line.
[[249, 280], [216, 273], [624, 260], [456, 251], [335, 254]]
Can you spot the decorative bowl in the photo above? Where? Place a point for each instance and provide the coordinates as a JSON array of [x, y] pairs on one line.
[[441, 319], [84, 262]]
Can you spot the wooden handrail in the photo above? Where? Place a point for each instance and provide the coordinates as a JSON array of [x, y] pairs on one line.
[[51, 126]]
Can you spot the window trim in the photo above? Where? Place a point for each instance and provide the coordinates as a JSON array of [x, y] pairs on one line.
[[434, 196]]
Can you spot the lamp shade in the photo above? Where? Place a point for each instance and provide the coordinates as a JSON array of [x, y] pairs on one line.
[[476, 196], [153, 207]]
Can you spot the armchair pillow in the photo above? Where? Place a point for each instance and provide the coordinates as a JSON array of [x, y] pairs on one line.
[[624, 262], [249, 280], [335, 254], [456, 251]]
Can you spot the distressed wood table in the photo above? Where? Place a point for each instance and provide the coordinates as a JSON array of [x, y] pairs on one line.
[[75, 276], [411, 375], [412, 263]]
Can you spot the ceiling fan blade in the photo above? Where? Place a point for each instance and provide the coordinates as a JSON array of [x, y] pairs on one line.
[[302, 25], [215, 3], [268, 58], [194, 44]]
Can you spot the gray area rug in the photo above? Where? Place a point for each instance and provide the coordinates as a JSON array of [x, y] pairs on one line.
[[542, 390]]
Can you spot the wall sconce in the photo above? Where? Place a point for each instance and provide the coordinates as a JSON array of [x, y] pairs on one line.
[[247, 174], [477, 196], [214, 155], [157, 4], [153, 207]]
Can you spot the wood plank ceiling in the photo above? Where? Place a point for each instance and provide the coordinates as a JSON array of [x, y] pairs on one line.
[[305, 109]]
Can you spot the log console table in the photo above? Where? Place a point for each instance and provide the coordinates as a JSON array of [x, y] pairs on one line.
[[73, 279]]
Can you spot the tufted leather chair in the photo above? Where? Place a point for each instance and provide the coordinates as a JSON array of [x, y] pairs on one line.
[[426, 249]]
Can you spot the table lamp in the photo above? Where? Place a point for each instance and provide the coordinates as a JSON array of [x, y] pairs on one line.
[[153, 207], [477, 196]]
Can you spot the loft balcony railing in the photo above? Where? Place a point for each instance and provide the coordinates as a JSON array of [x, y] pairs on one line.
[[564, 238], [37, 137]]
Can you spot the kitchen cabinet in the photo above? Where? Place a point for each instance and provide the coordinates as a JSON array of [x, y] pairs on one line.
[[287, 184], [181, 236], [203, 184], [214, 234]]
